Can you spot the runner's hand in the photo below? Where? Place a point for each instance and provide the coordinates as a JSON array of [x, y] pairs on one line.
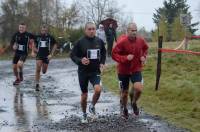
[[130, 57], [15, 46], [33, 54], [85, 61], [143, 60], [102, 67], [49, 57]]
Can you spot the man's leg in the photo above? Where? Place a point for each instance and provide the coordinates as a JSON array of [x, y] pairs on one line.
[[136, 78], [131, 95], [45, 65], [137, 91], [20, 65], [15, 69], [95, 80], [109, 49], [96, 95], [37, 73], [84, 102], [83, 82], [124, 85]]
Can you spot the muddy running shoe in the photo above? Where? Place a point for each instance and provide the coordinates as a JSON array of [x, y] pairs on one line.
[[125, 113], [37, 87], [16, 82], [135, 109], [92, 109], [84, 119]]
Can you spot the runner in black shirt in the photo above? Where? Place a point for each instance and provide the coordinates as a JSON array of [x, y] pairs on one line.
[[20, 44], [45, 46]]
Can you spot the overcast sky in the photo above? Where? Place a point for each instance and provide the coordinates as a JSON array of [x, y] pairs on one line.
[[142, 10]]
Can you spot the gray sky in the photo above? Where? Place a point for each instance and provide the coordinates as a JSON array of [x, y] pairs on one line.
[[142, 11]]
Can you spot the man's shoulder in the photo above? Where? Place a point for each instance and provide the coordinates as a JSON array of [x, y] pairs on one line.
[[122, 39], [16, 34], [139, 37], [50, 36], [82, 38]]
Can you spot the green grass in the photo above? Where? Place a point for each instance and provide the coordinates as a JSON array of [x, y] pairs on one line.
[[178, 97]]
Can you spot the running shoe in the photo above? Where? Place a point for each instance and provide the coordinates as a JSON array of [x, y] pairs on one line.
[[84, 119], [37, 87], [125, 113], [16, 82], [92, 109]]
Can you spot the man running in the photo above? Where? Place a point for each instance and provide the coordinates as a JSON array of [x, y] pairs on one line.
[[45, 46], [89, 54], [130, 53], [20, 43]]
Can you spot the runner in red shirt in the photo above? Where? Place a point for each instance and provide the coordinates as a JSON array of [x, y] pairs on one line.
[[130, 53]]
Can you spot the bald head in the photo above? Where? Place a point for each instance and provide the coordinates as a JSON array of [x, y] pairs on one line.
[[132, 30], [132, 26]]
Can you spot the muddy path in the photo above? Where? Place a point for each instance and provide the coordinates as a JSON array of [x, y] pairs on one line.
[[57, 106]]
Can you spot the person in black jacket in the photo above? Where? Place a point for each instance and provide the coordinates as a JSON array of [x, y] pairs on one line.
[[89, 54], [20, 44], [110, 37]]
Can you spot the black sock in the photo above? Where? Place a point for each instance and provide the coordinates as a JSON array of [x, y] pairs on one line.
[[21, 75]]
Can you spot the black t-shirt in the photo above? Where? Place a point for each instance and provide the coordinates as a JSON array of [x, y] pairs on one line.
[[22, 40], [91, 48], [44, 44]]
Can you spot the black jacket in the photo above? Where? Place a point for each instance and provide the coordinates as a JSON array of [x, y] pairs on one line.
[[80, 50]]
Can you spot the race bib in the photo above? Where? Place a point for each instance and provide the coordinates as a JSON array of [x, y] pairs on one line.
[[93, 54], [21, 47], [43, 44]]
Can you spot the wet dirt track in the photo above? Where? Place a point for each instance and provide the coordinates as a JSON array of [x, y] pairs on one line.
[[57, 106]]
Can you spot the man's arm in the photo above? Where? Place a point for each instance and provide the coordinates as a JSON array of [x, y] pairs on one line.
[[103, 53], [145, 49], [116, 54], [74, 54], [12, 42], [144, 52]]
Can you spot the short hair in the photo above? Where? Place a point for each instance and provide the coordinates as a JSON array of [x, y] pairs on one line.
[[89, 23], [22, 23], [131, 24], [44, 26]]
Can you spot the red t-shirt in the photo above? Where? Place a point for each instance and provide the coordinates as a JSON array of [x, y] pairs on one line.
[[123, 48]]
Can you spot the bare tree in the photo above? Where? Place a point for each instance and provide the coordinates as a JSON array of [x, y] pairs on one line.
[[71, 15], [97, 10]]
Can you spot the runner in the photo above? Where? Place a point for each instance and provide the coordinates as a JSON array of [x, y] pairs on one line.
[[89, 54], [45, 46], [20, 44], [130, 53]]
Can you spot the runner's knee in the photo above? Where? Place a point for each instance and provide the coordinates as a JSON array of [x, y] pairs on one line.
[[20, 64], [138, 86], [124, 93], [97, 89]]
